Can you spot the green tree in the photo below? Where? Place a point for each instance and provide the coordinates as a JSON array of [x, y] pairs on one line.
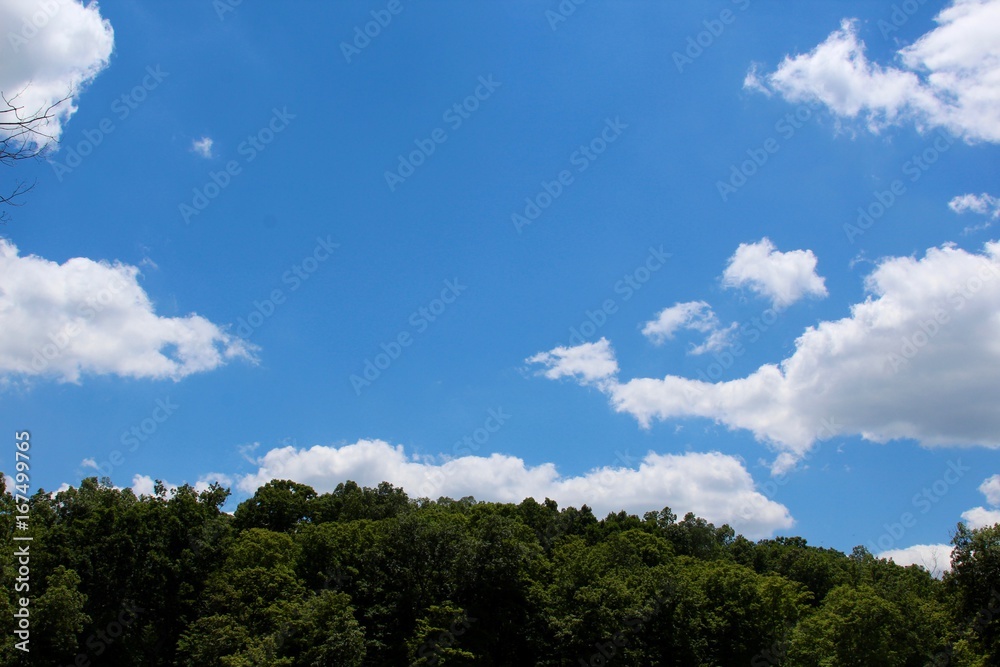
[[279, 505], [854, 627]]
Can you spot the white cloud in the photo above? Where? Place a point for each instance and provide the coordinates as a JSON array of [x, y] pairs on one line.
[[89, 463], [719, 339], [203, 146], [949, 78], [696, 315], [208, 479], [916, 360], [87, 317], [692, 315], [935, 558], [983, 204], [588, 362], [981, 517], [991, 489], [712, 485], [51, 50], [142, 485], [782, 277]]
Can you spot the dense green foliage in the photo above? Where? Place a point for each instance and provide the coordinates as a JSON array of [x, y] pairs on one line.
[[367, 576]]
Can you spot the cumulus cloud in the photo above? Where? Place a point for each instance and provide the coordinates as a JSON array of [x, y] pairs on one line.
[[991, 489], [694, 316], [712, 485], [983, 204], [948, 78], [916, 360], [981, 517], [203, 147], [782, 277], [85, 317], [935, 558], [50, 51], [589, 362], [143, 485]]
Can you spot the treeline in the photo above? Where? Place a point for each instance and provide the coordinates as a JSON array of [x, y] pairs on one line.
[[368, 576]]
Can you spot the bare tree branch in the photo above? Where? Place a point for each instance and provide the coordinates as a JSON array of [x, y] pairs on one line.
[[22, 137]]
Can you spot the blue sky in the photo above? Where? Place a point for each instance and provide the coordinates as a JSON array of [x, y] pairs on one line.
[[268, 202]]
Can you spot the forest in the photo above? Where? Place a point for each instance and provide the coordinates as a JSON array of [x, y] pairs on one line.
[[370, 576]]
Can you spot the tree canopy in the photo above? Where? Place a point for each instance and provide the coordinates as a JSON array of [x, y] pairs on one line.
[[369, 576]]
